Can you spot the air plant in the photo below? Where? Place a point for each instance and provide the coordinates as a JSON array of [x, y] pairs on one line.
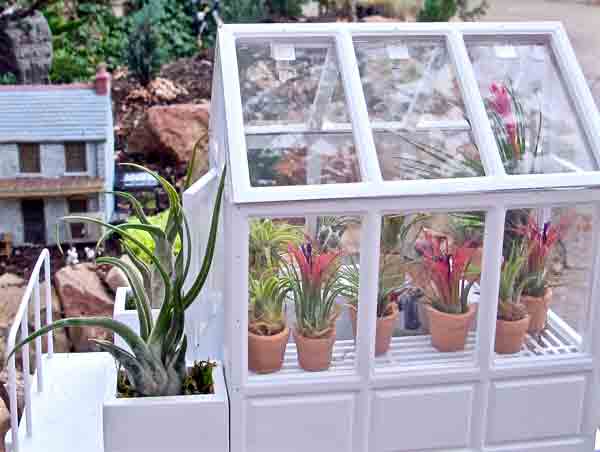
[[156, 365], [350, 280], [512, 284], [540, 242], [314, 280], [268, 243], [509, 123], [266, 312], [444, 277]]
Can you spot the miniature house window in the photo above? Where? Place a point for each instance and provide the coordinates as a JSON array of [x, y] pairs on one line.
[[77, 206], [29, 158], [382, 179], [75, 157]]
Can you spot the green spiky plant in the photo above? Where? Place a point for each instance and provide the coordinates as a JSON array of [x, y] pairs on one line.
[[156, 364], [268, 242], [395, 231], [510, 307], [266, 312]]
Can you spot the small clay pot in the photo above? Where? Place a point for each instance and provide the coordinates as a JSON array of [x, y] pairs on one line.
[[265, 353], [449, 331], [510, 335], [537, 308], [314, 354], [384, 328]]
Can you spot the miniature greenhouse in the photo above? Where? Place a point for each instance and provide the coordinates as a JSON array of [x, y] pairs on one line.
[[382, 179], [406, 259]]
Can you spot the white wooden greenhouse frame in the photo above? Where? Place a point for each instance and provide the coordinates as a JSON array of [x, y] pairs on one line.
[[541, 404]]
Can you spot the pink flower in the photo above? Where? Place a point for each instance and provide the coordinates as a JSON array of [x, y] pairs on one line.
[[500, 99]]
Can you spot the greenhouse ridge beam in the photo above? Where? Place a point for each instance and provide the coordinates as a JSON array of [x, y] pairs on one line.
[[372, 185]]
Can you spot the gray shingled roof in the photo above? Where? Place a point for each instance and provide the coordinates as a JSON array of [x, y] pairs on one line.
[[53, 114]]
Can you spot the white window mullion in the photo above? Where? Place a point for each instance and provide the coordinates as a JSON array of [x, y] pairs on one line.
[[357, 105], [481, 128]]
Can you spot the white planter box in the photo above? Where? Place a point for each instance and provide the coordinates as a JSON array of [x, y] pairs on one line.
[[174, 424]]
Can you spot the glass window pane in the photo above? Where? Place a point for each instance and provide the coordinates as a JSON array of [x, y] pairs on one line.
[[534, 123], [428, 289], [296, 119], [297, 322], [545, 282], [419, 123]]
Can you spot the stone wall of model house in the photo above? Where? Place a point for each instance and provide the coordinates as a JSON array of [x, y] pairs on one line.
[[52, 159]]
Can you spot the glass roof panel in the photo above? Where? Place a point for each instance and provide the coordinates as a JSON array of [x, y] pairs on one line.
[[296, 118], [533, 120], [419, 123]]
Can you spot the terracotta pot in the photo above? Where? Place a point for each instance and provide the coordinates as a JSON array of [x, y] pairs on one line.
[[537, 307], [314, 354], [384, 328], [265, 353], [449, 331], [510, 335]]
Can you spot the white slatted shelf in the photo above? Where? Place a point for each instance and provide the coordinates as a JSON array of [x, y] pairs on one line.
[[555, 340]]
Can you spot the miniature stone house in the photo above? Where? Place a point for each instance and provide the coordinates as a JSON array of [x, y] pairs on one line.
[[56, 158]]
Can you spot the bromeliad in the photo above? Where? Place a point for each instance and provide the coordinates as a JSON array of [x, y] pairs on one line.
[[444, 281], [312, 277]]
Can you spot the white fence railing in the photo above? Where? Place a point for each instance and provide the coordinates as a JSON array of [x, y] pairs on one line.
[[22, 321]]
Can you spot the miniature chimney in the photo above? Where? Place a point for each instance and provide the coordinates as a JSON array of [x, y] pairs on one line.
[[102, 82]]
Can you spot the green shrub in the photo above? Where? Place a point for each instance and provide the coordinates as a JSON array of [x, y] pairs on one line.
[[145, 48], [80, 44], [444, 10], [285, 8], [8, 78], [145, 238]]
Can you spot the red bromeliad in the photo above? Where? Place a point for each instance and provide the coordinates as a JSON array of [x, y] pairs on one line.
[[501, 102], [540, 242], [446, 273], [314, 282]]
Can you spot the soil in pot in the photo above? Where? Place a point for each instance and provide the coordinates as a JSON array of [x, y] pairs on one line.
[[384, 329], [199, 380], [314, 354], [510, 335], [537, 308], [266, 353], [449, 331]]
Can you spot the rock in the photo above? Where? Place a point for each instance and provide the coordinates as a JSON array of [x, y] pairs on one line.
[[174, 130], [26, 49], [115, 277], [4, 424], [13, 288], [82, 294]]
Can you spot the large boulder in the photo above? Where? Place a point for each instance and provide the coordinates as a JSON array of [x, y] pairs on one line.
[[26, 49], [174, 130], [82, 294]]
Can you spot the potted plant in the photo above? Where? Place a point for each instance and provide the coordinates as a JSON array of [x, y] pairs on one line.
[[268, 333], [154, 380], [387, 309], [512, 320], [537, 293], [442, 277], [312, 278]]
